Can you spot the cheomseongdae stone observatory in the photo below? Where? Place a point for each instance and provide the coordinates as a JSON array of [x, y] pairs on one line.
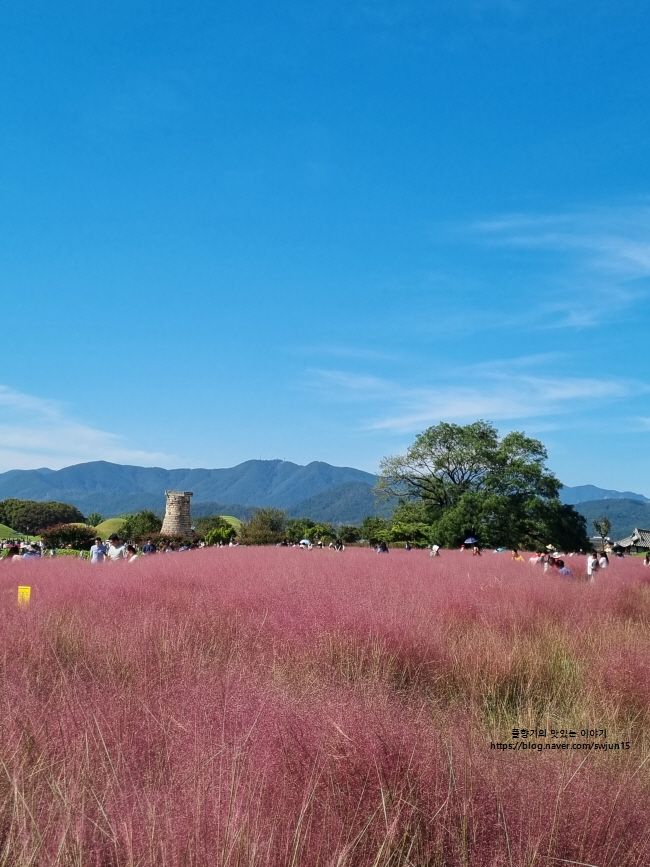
[[177, 520]]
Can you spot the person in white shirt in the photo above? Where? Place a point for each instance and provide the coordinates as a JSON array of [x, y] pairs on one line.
[[98, 551], [116, 550], [592, 566]]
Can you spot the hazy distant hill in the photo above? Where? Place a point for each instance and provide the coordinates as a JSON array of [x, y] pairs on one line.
[[624, 509], [589, 493], [624, 515], [349, 503], [110, 489]]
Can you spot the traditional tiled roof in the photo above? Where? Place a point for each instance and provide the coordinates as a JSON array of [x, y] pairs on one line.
[[639, 538]]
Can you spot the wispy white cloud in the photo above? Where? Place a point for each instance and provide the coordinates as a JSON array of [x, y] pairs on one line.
[[499, 391], [598, 261], [341, 382], [38, 432], [336, 350], [505, 366], [499, 399]]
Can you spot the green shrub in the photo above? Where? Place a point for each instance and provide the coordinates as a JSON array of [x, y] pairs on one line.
[[220, 533], [72, 552], [77, 536]]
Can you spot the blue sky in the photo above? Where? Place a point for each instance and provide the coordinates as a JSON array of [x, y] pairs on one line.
[[310, 230]]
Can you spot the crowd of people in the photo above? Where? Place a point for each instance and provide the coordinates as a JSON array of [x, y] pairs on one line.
[[16, 548], [307, 544], [553, 561], [112, 550], [115, 549]]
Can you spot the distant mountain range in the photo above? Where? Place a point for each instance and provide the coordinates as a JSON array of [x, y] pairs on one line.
[[624, 515], [589, 493], [319, 491], [624, 509]]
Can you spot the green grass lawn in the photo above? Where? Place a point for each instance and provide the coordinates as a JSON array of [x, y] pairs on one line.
[[8, 533]]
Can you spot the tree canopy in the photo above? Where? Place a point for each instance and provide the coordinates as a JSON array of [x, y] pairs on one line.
[[216, 530], [602, 526], [468, 481], [140, 524], [78, 536], [449, 460], [31, 516], [266, 527]]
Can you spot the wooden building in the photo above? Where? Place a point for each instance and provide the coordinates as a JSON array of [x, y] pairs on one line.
[[638, 540]]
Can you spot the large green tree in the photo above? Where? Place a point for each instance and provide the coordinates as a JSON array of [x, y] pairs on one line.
[[305, 528], [266, 527], [375, 529], [468, 480], [203, 525], [31, 516], [449, 460], [220, 531], [139, 525], [556, 523], [299, 528], [348, 533], [411, 522]]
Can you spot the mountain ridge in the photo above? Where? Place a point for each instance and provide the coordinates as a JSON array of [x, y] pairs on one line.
[[623, 514], [318, 490], [108, 488], [572, 495]]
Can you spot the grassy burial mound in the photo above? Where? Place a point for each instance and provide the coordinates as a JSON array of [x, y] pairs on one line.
[[109, 527], [114, 525], [7, 532], [269, 706]]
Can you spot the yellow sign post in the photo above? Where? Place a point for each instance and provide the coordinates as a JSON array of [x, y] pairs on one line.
[[24, 592]]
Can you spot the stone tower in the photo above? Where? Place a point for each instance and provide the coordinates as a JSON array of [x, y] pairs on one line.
[[177, 520]]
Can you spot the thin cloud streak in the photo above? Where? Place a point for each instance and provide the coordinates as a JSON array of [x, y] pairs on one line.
[[615, 239], [496, 394], [602, 260], [37, 432], [352, 352]]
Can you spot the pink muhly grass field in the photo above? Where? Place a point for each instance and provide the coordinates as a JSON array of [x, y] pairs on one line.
[[269, 706]]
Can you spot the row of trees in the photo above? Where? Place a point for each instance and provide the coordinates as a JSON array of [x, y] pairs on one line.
[[270, 526], [138, 527]]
